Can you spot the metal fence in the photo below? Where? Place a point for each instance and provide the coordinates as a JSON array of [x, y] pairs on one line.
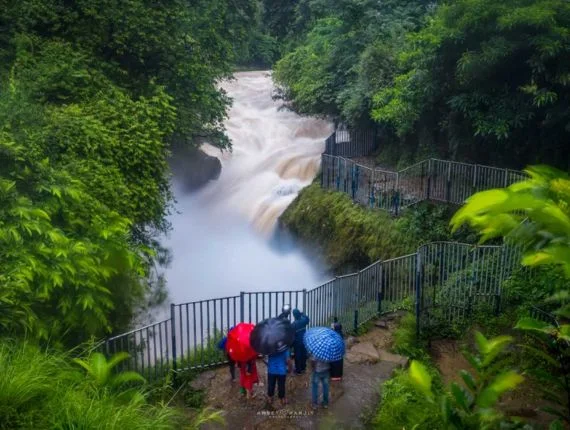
[[443, 282], [433, 179], [351, 143]]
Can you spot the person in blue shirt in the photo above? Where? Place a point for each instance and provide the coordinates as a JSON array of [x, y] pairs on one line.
[[321, 374], [277, 369], [300, 324]]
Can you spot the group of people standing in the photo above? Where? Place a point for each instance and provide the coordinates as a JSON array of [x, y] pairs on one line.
[[285, 362]]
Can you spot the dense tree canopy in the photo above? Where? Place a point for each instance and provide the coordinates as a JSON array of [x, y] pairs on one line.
[[473, 80], [92, 96]]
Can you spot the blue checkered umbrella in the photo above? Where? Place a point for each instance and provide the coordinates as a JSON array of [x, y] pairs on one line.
[[324, 344]]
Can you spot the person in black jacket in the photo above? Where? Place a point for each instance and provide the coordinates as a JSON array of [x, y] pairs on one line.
[[300, 324], [285, 312]]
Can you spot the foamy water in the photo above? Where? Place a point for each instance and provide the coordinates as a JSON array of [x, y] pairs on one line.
[[220, 237]]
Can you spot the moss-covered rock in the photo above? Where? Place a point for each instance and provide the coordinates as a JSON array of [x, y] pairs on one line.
[[347, 233], [350, 235]]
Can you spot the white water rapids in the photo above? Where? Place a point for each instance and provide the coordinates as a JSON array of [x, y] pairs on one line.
[[220, 239]]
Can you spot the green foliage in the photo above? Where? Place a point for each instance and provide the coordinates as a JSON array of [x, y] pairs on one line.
[[543, 199], [472, 405], [342, 52], [60, 249], [92, 95], [103, 376], [184, 47], [402, 406], [349, 233], [549, 344], [352, 234], [492, 77], [406, 342], [531, 286], [429, 222], [470, 80], [41, 390], [544, 235]]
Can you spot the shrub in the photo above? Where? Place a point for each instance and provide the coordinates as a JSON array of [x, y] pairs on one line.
[[406, 341], [402, 406], [43, 390]]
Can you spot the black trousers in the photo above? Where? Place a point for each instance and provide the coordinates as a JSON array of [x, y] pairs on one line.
[[280, 380], [232, 365]]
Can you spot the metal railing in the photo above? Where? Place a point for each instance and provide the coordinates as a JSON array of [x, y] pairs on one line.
[[433, 179], [442, 281], [351, 143]]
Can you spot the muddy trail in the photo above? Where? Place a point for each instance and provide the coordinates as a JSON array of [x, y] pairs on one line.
[[368, 363]]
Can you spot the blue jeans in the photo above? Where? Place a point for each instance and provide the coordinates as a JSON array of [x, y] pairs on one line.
[[315, 379]]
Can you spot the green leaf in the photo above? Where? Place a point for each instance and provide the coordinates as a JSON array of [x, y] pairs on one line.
[[468, 380], [460, 397], [500, 384], [421, 378], [531, 324]]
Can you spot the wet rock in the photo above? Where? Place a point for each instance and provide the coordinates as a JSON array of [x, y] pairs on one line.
[[393, 315], [194, 168], [381, 324], [363, 353], [203, 380], [398, 360], [349, 341]]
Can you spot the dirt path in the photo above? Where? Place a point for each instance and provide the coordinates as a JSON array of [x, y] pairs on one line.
[[367, 365]]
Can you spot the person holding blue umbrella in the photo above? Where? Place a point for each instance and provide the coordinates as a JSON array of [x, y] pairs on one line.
[[325, 346]]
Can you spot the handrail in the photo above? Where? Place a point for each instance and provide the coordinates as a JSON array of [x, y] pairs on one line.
[[135, 330]]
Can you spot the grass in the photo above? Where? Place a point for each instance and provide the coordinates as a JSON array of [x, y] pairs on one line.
[[44, 390], [403, 407]]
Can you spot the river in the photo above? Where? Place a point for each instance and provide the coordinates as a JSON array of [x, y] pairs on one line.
[[222, 239]]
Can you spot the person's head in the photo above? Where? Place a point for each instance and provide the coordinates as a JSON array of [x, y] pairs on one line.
[[335, 319], [286, 309], [296, 314]]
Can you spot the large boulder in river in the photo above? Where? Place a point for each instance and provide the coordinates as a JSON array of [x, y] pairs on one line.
[[194, 168]]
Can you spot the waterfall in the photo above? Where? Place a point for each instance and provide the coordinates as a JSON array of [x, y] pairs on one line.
[[220, 237]]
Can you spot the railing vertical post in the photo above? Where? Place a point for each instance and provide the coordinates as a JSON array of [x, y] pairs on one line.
[[356, 322], [474, 281], [304, 300], [506, 184], [241, 306], [418, 291], [173, 335], [474, 190], [396, 201], [501, 279], [338, 174], [428, 194], [381, 290], [322, 170], [353, 180], [371, 188], [448, 191]]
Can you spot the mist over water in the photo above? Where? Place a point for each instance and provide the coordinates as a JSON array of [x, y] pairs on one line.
[[222, 238]]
